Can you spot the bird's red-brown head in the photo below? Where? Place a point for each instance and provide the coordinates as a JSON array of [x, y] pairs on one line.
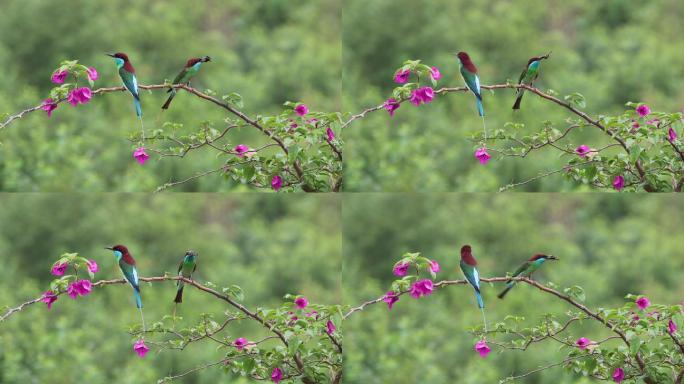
[[466, 62], [196, 60], [538, 256], [119, 55], [467, 255], [124, 253]]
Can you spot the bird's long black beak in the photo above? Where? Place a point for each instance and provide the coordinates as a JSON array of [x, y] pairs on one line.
[[110, 248], [551, 257], [110, 54]]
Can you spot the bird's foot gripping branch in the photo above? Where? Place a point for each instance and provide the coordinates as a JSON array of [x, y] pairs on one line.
[[638, 342], [298, 340], [299, 150], [639, 149]]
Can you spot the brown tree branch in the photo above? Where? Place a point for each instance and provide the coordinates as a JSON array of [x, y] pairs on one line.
[[594, 315], [271, 327], [239, 114], [595, 122]]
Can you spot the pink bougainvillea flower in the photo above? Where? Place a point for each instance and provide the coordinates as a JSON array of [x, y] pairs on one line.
[[313, 121], [59, 269], [643, 110], [421, 288], [59, 77], [402, 77], [241, 149], [301, 302], [49, 297], [391, 105], [83, 94], [72, 290], [434, 72], [416, 98], [426, 94], [83, 287], [671, 134], [401, 269], [635, 126], [140, 155], [140, 348], [73, 97], [482, 155], [390, 298], [582, 150], [301, 109], [49, 105], [643, 302], [92, 74], [655, 122], [313, 314], [582, 343], [434, 266], [618, 182], [92, 266], [240, 343], [482, 348], [276, 375], [618, 375], [330, 134], [671, 327], [330, 327], [276, 182], [426, 286]]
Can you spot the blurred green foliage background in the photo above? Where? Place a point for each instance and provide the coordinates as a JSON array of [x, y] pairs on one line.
[[610, 51], [269, 51], [610, 245], [268, 245]]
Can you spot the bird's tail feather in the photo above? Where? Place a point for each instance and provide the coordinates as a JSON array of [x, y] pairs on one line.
[[138, 107], [518, 100], [480, 107], [179, 295], [480, 302], [168, 101], [142, 319], [503, 293], [138, 298]]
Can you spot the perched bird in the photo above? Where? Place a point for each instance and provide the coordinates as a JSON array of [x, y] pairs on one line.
[[472, 80], [525, 270], [191, 68], [130, 273], [185, 269], [127, 73], [528, 76], [468, 267]]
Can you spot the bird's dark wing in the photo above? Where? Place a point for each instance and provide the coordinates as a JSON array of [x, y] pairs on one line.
[[130, 82], [521, 269], [180, 77], [522, 75]]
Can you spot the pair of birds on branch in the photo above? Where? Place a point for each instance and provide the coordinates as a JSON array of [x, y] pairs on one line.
[[472, 80], [468, 266], [127, 74], [126, 263]]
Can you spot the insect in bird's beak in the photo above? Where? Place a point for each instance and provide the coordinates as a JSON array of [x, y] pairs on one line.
[[207, 58]]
